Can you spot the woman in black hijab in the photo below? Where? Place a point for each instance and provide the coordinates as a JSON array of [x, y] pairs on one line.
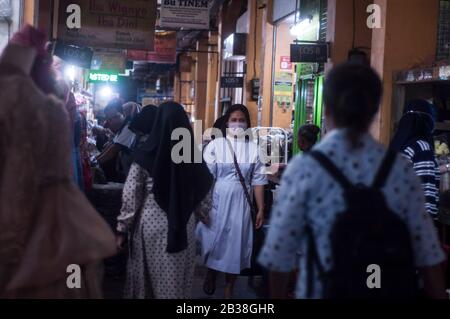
[[141, 125], [159, 198], [414, 139]]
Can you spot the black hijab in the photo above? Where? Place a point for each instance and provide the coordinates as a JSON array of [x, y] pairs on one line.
[[417, 123], [178, 188], [143, 122]]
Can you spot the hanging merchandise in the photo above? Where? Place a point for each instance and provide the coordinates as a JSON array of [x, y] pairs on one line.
[[5, 9]]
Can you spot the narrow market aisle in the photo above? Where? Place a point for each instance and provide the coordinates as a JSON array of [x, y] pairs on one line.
[[113, 286]]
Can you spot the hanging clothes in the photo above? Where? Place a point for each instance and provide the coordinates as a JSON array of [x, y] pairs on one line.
[[47, 223]]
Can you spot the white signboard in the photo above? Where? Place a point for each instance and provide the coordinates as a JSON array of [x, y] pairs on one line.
[[186, 14]]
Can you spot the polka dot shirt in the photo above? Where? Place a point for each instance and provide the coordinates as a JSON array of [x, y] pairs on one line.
[[307, 192]]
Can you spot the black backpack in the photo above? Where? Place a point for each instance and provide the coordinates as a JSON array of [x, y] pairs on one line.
[[366, 233]]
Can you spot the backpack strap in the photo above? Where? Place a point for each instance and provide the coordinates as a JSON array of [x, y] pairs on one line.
[[328, 165], [313, 259], [384, 170]]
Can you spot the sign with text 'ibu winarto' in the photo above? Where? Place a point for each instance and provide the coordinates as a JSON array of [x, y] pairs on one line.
[[107, 23]]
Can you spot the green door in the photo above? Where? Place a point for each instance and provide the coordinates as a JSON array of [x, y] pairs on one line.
[[308, 105]]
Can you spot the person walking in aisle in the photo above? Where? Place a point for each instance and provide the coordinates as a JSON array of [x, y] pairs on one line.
[[159, 197], [414, 139], [226, 243], [317, 208]]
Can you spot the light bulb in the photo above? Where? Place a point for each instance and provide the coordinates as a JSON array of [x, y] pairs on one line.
[[302, 28], [106, 92], [69, 72]]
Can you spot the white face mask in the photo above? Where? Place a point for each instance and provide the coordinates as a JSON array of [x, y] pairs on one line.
[[237, 127]]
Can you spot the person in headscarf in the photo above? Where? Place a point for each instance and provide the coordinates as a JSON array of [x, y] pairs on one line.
[[142, 124], [52, 241], [159, 198], [130, 110], [414, 139], [227, 243]]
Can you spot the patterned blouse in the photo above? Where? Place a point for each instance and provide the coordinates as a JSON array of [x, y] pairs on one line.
[[307, 192], [421, 155]]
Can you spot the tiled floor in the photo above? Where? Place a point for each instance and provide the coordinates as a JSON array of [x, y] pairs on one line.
[[114, 286]]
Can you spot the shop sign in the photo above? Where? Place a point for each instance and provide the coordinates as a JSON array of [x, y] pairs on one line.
[[95, 76], [309, 53], [285, 63], [111, 61], [165, 50], [109, 23], [78, 56], [186, 14], [231, 82], [283, 90]]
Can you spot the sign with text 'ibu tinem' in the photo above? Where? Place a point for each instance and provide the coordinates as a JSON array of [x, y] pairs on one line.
[[309, 53], [107, 23], [187, 14]]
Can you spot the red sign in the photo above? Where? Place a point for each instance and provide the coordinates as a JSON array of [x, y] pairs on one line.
[[285, 63], [165, 50]]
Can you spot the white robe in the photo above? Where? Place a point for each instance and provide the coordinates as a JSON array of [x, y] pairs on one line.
[[226, 244]]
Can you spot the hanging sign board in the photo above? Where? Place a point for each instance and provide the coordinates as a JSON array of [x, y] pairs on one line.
[[78, 56], [165, 50], [112, 61], [231, 82], [108, 23], [186, 14], [309, 53], [103, 76]]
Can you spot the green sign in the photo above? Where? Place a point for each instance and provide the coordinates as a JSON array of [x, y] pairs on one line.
[[98, 76]]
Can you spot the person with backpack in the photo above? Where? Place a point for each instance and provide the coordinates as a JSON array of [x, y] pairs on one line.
[[355, 210]]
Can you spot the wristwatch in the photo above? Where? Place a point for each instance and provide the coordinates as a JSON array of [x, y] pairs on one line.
[[447, 166]]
